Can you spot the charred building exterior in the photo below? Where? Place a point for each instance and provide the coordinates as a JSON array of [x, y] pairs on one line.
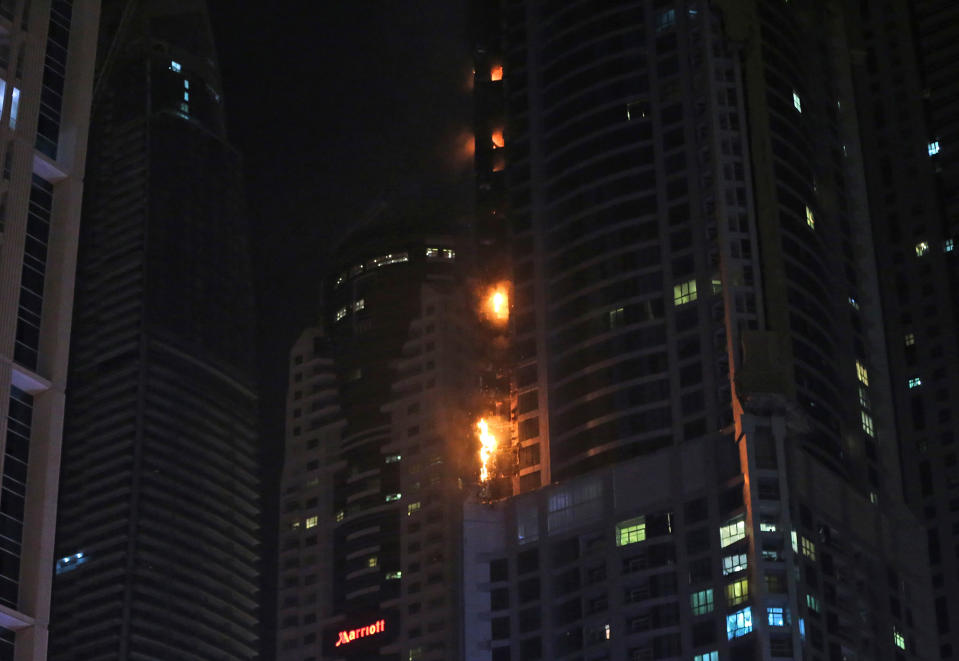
[[157, 539], [708, 463]]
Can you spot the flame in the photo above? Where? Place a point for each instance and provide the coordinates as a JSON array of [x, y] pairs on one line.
[[497, 304], [487, 448], [496, 72], [497, 138]]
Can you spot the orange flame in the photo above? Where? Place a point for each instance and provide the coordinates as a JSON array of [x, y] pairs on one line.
[[496, 72], [497, 304], [497, 138], [487, 448]]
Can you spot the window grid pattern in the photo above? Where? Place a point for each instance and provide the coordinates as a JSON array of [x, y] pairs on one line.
[[30, 305], [54, 74], [13, 492]]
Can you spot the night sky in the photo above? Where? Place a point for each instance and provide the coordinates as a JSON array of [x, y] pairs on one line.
[[336, 108]]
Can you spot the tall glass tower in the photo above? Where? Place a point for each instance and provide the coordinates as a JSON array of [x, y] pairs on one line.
[[157, 539]]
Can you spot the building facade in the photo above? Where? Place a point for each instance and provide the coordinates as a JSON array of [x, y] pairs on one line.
[[158, 530], [47, 52], [695, 288]]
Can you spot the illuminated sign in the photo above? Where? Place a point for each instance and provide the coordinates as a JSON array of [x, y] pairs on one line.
[[349, 635]]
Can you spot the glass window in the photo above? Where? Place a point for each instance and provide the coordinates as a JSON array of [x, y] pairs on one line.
[[707, 656], [412, 507], [808, 548], [778, 616], [898, 639], [812, 603], [631, 531], [933, 147], [738, 592], [915, 382], [867, 425], [684, 292], [797, 102], [922, 248], [810, 219], [312, 521], [734, 563], [862, 373], [732, 531], [739, 623], [392, 497], [701, 602]]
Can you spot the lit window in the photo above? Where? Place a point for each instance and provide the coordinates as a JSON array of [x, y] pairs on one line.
[[767, 526], [393, 458], [854, 303], [772, 555], [340, 279], [394, 575], [734, 563], [778, 616], [706, 656], [616, 317], [797, 102], [340, 314], [631, 531], [372, 562], [186, 84], [185, 108], [684, 292], [607, 631], [812, 603], [311, 522], [359, 304], [808, 548], [933, 147], [432, 253], [186, 95], [14, 107], [497, 139], [295, 525], [899, 639], [665, 20], [867, 425], [386, 260], [412, 507], [701, 602], [802, 628], [864, 400], [739, 623], [862, 373], [810, 219], [70, 562], [175, 66], [449, 254], [732, 531], [915, 382], [873, 497], [340, 514], [948, 246], [717, 286], [795, 541], [738, 592], [910, 339], [392, 497], [922, 248], [496, 72]]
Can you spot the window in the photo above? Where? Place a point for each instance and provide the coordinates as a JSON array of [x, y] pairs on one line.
[[922, 248], [312, 521], [665, 20], [797, 102], [862, 373], [616, 318], [706, 656], [393, 458], [948, 246], [778, 616], [701, 602], [864, 400], [898, 639], [915, 382], [867, 425], [738, 592], [392, 497], [854, 303], [339, 515], [496, 72], [631, 531], [412, 507], [359, 304], [933, 147], [732, 532], [767, 526], [810, 219], [496, 137], [372, 562], [812, 603], [734, 563], [175, 66], [809, 548], [340, 313], [910, 339], [14, 107], [739, 623], [684, 292]]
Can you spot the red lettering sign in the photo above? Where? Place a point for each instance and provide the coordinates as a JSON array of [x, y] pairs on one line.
[[349, 635]]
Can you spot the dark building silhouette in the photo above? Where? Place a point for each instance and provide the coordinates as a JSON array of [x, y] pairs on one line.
[[159, 496]]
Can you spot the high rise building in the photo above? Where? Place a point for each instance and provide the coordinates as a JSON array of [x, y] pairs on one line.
[[379, 439], [907, 77], [47, 54], [157, 537], [700, 384]]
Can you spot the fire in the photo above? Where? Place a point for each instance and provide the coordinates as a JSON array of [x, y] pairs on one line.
[[487, 448], [497, 138], [497, 304], [496, 72]]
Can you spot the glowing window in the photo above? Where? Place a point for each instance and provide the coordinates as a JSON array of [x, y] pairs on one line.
[[497, 139], [854, 303], [812, 603], [394, 575], [898, 639], [732, 532], [922, 248], [810, 219], [910, 339], [701, 602], [864, 400], [867, 424], [392, 497], [386, 260], [631, 531], [915, 382], [767, 526], [295, 525], [933, 147], [738, 592], [186, 96], [717, 286], [186, 84], [393, 458], [311, 522], [340, 514], [175, 66], [948, 246], [340, 314], [496, 72], [617, 317], [739, 623], [185, 108], [797, 102], [684, 292], [340, 279], [412, 507], [372, 562], [706, 656], [808, 548], [778, 616], [432, 253], [359, 304], [607, 631], [734, 563], [14, 107], [772, 555], [862, 373]]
